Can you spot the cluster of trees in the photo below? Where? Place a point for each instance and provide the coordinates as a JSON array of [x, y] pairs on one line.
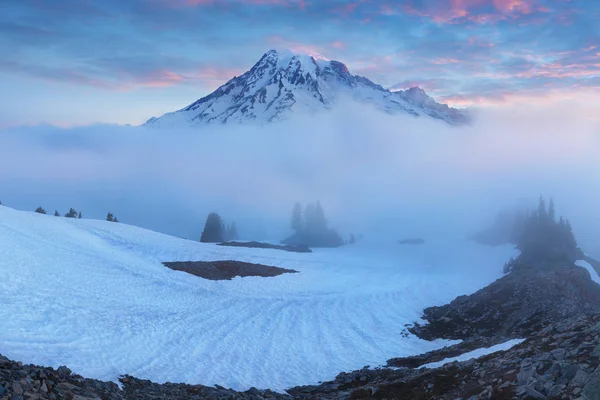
[[546, 238], [216, 231], [310, 228], [111, 218], [71, 214], [75, 214], [543, 238]]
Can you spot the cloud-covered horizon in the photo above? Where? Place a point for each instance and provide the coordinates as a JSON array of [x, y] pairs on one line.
[[386, 176], [80, 62]]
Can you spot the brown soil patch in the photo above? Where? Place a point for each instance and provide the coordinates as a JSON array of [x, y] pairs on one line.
[[226, 270]]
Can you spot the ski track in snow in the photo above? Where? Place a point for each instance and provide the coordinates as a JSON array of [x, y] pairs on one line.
[[94, 295]]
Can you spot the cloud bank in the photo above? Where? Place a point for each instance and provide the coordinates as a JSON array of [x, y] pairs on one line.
[[385, 176]]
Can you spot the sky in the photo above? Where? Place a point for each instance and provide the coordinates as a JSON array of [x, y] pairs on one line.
[[78, 62]]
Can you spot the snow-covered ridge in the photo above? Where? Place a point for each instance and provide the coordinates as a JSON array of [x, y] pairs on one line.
[[282, 83]]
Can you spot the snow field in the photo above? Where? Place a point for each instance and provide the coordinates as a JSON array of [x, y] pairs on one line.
[[94, 295]]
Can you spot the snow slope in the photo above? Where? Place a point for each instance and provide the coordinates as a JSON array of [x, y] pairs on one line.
[[484, 351], [282, 83], [93, 295]]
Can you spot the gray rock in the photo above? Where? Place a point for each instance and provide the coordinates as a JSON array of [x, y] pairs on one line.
[[525, 374], [16, 388], [64, 372], [591, 390], [580, 378]]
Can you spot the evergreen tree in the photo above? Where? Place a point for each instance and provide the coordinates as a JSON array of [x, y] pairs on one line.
[[56, 213], [40, 210], [314, 230], [72, 213], [352, 239], [79, 216], [319, 221], [542, 213], [214, 229], [551, 211], [545, 239], [115, 219], [110, 217], [297, 222], [309, 218], [231, 233]]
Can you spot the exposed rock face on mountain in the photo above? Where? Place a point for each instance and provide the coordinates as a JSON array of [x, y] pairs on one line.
[[282, 83]]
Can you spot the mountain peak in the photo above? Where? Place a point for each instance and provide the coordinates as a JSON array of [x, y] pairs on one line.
[[283, 82]]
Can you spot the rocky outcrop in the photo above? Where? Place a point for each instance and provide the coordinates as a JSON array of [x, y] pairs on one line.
[[518, 305], [22, 382], [137, 389]]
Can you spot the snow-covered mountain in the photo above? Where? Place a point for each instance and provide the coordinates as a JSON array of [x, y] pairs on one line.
[[282, 83]]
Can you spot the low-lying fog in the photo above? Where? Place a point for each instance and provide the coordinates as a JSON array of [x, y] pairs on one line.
[[386, 177]]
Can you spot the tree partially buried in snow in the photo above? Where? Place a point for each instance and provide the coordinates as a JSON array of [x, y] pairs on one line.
[[214, 229], [40, 210], [310, 228]]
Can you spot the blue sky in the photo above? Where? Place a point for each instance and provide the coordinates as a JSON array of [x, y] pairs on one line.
[[77, 62]]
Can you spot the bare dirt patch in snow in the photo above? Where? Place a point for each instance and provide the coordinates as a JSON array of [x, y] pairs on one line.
[[226, 270]]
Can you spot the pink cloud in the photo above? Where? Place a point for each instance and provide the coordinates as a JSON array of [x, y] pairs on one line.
[[445, 61], [348, 8], [478, 11], [509, 98], [511, 6], [301, 4]]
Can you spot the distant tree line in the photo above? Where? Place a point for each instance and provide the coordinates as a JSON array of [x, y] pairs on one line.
[[75, 214]]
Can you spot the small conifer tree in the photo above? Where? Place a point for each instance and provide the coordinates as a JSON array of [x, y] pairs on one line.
[[214, 229]]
